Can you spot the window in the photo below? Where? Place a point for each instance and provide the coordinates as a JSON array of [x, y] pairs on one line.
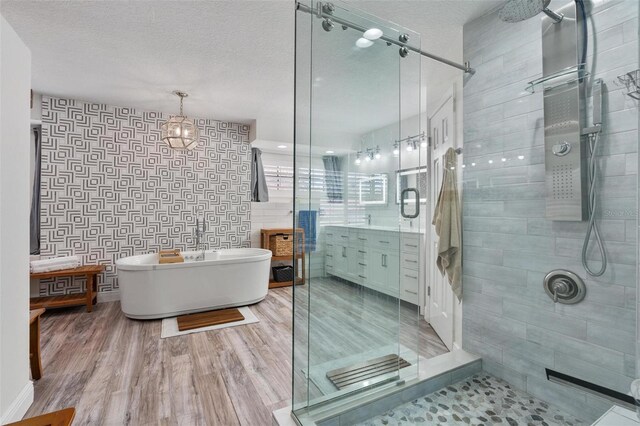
[[280, 181]]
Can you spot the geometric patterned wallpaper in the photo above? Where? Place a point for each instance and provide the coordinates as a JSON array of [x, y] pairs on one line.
[[110, 188]]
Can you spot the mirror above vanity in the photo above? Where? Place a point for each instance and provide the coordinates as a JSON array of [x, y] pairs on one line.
[[373, 189]]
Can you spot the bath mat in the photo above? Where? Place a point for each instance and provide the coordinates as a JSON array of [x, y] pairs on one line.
[[318, 372], [207, 319], [367, 371], [170, 325]]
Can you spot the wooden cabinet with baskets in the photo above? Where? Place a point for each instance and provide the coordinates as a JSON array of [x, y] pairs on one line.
[[281, 243]]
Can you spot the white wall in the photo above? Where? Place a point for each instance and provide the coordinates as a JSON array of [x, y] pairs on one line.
[[16, 391]]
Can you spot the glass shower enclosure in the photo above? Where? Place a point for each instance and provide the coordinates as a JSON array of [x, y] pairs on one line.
[[359, 155]]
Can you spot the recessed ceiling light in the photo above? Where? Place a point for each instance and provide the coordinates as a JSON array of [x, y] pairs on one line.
[[520, 157], [372, 34], [328, 152], [282, 146], [363, 42]]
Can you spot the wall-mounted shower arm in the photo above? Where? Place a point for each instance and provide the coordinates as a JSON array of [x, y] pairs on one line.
[[327, 13], [557, 17]]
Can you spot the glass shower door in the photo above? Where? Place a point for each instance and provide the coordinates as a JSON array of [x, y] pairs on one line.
[[357, 102]]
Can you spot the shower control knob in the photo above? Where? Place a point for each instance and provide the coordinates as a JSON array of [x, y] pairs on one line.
[[561, 149]]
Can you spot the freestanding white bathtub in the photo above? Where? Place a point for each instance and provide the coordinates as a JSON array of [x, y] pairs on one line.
[[225, 278]]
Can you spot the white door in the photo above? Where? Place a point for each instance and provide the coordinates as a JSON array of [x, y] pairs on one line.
[[440, 297]]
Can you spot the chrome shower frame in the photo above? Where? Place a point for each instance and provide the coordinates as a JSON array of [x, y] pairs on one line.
[[325, 11]]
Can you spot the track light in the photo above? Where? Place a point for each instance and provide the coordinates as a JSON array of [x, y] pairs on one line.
[[363, 43], [372, 34]]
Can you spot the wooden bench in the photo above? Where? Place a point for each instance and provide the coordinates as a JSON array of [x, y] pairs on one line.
[[34, 343], [57, 418], [89, 297]]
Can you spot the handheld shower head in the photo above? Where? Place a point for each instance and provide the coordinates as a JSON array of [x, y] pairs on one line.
[[519, 10]]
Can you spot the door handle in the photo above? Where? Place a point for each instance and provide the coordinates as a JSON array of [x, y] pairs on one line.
[[403, 203]]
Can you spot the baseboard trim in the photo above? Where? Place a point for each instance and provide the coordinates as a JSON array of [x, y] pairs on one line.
[[108, 296], [20, 405]]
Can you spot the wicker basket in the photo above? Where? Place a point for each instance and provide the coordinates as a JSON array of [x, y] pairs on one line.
[[281, 244], [283, 273]]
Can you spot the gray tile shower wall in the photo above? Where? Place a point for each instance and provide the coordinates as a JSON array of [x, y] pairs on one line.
[[111, 188], [509, 245]]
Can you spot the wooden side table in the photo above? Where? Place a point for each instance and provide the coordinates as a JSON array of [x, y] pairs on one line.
[[34, 343], [89, 297], [298, 250]]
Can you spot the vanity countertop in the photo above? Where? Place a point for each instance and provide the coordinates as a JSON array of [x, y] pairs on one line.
[[405, 230]]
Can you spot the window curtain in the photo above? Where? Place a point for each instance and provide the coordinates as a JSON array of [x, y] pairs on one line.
[[259, 190], [35, 198], [333, 177]]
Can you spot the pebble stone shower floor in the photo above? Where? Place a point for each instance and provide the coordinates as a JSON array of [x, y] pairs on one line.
[[479, 400]]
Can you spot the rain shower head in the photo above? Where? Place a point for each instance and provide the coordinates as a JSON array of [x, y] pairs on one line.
[[519, 10]]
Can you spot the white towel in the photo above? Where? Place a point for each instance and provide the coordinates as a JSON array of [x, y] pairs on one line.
[[55, 264]]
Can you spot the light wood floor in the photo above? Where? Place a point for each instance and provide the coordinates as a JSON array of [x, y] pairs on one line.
[[117, 371]]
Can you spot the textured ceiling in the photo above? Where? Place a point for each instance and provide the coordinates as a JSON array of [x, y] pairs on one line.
[[234, 58]]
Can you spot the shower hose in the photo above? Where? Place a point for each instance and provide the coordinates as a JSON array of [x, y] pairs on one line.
[[592, 178]]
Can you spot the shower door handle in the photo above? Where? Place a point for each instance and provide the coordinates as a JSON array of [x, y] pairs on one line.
[[403, 203]]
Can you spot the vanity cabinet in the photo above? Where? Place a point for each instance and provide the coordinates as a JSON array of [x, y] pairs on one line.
[[383, 260]]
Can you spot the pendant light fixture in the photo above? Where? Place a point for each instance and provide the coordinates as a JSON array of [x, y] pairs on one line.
[[179, 132]]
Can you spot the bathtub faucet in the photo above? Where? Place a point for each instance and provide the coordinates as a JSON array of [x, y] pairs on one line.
[[201, 228]]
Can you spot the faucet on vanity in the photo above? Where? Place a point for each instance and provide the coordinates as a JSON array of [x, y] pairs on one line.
[[201, 228]]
